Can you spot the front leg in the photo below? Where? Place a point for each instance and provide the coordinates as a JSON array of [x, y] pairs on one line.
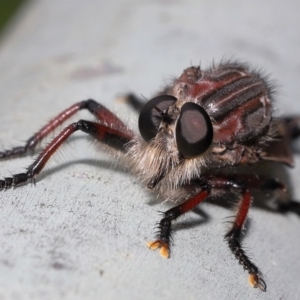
[[239, 184], [165, 230], [114, 138]]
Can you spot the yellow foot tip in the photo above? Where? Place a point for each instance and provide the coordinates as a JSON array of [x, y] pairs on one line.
[[164, 252], [164, 248], [257, 282], [153, 245]]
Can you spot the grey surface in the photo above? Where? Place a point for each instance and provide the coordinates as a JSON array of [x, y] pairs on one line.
[[80, 233]]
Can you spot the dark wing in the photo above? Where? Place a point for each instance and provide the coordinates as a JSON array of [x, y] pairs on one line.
[[279, 149]]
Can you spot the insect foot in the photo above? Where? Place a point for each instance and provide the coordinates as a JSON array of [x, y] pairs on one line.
[[163, 246], [16, 180], [256, 281]]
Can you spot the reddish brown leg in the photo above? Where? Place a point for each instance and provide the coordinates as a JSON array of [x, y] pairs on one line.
[[242, 181], [103, 115], [233, 238], [165, 230], [234, 183], [112, 137]]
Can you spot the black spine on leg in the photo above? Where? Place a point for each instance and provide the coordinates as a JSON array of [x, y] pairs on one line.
[[165, 230], [233, 240]]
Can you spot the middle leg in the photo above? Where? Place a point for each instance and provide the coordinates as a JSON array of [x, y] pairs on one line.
[[103, 115], [233, 238]]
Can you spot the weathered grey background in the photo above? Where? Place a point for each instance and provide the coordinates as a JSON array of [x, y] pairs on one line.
[[80, 233]]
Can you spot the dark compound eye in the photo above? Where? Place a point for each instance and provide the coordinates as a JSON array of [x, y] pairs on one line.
[[151, 115], [194, 131]]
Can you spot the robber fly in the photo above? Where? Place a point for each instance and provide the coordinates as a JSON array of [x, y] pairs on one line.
[[202, 125]]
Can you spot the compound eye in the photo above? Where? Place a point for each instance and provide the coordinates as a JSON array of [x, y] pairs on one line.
[[152, 114], [194, 130]]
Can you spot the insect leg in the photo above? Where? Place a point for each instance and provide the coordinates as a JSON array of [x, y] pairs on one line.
[[165, 230], [242, 183], [258, 183], [95, 108], [112, 137], [135, 102], [233, 238]]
